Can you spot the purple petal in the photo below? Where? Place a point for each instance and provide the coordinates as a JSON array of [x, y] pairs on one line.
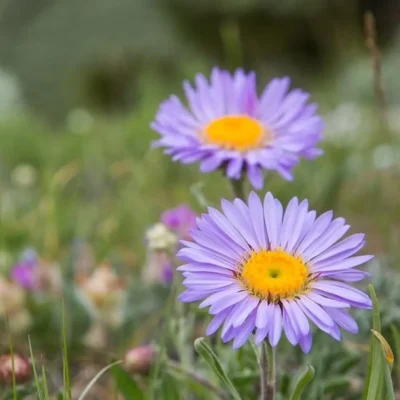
[[264, 313], [289, 221], [245, 331], [325, 266], [341, 291], [246, 307], [276, 326], [255, 176], [217, 321], [343, 319], [257, 219], [306, 342]]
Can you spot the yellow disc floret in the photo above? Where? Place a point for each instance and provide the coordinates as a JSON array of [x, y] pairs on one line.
[[274, 275], [236, 132]]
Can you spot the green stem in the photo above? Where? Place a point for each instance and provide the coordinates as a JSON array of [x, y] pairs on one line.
[[238, 188], [267, 371], [199, 379]]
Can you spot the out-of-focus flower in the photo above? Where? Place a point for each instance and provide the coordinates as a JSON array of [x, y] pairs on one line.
[[80, 121], [159, 237], [162, 242], [104, 294], [22, 369], [12, 305], [24, 274], [24, 271], [180, 220], [24, 175], [49, 278], [265, 270], [139, 360], [158, 267], [37, 275], [229, 126]]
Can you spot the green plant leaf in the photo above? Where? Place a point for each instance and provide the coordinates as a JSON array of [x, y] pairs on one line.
[[125, 384], [205, 351], [374, 380], [396, 339], [305, 378], [388, 381]]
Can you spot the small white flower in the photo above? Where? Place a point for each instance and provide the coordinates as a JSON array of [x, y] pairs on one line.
[[159, 237]]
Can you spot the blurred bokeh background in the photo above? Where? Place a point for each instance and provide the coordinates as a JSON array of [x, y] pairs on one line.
[[80, 81]]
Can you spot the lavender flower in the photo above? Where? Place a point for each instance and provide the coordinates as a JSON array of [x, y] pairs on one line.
[[229, 126], [262, 270]]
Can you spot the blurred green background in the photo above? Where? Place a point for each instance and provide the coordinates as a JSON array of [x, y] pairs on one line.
[[80, 81]]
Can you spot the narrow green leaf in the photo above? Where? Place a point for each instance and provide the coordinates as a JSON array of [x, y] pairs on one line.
[[126, 385], [305, 378], [388, 381], [396, 339], [66, 376], [45, 387], [374, 380], [205, 351], [35, 375], [334, 384], [96, 378]]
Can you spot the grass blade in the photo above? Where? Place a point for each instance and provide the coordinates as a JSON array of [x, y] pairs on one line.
[[96, 378], [67, 395], [45, 387], [35, 375]]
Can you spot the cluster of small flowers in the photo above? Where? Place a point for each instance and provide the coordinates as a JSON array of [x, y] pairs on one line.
[[162, 241]]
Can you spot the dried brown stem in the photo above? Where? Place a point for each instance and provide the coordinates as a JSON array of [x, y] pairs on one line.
[[371, 42]]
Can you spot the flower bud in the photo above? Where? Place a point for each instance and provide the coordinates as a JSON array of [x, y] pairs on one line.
[[139, 360], [22, 369]]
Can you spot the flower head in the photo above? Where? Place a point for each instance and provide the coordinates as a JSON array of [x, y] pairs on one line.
[[179, 220], [229, 126], [262, 269]]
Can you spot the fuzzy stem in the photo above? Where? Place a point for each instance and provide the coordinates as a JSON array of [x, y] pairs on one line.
[[267, 371]]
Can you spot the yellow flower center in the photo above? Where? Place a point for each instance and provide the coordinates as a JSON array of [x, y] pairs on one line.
[[236, 132], [274, 275]]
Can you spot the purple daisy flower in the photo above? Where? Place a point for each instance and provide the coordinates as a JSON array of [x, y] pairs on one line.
[[264, 270], [229, 126]]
